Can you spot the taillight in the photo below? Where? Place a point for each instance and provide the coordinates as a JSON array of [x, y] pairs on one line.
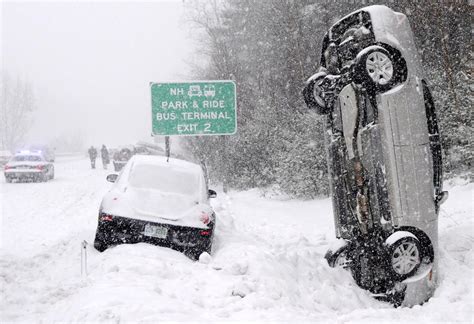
[[205, 233], [106, 217], [39, 167], [7, 167], [205, 218]]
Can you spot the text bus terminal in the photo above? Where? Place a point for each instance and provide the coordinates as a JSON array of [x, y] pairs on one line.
[[194, 108]]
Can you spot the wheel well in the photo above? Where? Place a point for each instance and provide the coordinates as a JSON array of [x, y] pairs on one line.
[[426, 244], [402, 72]]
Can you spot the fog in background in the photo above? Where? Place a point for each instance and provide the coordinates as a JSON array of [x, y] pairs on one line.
[[90, 64]]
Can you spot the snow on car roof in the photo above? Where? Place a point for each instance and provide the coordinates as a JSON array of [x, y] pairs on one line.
[[165, 162], [29, 153], [375, 10]]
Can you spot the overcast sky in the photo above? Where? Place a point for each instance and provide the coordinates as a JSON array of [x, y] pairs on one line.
[[91, 63]]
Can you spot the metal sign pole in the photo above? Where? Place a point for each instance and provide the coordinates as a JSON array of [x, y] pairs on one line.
[[84, 258], [168, 148]]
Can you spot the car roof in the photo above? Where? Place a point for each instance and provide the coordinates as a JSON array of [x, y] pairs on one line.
[[164, 162], [29, 154]]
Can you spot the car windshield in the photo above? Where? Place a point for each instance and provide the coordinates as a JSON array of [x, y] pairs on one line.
[[165, 179], [33, 158]]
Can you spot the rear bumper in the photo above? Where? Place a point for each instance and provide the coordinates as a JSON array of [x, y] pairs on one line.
[[121, 230], [22, 174]]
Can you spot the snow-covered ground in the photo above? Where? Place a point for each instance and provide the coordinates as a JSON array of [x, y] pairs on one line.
[[267, 263]]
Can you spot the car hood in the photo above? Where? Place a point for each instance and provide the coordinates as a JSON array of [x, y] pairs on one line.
[[155, 206]]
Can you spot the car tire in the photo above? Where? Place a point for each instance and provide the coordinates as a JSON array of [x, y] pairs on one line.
[[51, 177], [101, 241], [8, 180], [205, 245], [338, 258], [312, 94], [100, 245], [404, 254], [379, 69]]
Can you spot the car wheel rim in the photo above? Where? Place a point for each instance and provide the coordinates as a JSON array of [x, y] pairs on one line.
[[341, 261], [405, 258], [318, 96], [380, 67]]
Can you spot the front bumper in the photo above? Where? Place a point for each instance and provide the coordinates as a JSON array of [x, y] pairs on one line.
[[412, 291], [369, 263]]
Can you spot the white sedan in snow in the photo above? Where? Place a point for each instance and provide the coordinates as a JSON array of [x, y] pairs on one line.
[[159, 201]]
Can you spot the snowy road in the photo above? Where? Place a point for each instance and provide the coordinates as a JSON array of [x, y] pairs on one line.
[[267, 262]]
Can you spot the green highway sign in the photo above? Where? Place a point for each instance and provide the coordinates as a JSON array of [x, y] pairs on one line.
[[194, 108]]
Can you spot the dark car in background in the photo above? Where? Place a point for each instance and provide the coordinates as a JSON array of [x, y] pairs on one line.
[[31, 166], [48, 153], [121, 157], [122, 154], [158, 201]]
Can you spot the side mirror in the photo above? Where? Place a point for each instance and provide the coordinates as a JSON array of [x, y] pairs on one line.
[[441, 197], [211, 193], [112, 177]]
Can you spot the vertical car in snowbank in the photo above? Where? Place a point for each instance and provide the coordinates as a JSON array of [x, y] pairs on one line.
[[159, 201], [384, 154]]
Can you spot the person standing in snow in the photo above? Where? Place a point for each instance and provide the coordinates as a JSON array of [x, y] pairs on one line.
[[92, 155], [105, 156]]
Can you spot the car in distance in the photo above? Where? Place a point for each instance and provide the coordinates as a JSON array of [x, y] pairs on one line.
[[158, 201], [121, 157], [27, 165], [384, 154], [48, 152]]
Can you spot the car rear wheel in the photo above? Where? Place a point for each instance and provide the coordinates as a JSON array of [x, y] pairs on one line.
[[100, 242], [9, 180], [379, 69], [404, 254], [51, 177], [379, 66]]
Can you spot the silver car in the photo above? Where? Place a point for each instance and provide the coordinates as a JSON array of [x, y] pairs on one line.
[[26, 165], [384, 154]]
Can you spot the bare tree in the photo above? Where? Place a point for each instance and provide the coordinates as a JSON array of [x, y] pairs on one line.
[[16, 106]]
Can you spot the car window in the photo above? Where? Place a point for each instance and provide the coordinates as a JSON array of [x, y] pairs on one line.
[[28, 158], [165, 179]]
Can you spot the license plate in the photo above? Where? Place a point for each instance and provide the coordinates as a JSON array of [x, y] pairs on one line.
[[155, 231]]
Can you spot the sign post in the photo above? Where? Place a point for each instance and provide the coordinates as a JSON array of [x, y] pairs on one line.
[[194, 108]]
